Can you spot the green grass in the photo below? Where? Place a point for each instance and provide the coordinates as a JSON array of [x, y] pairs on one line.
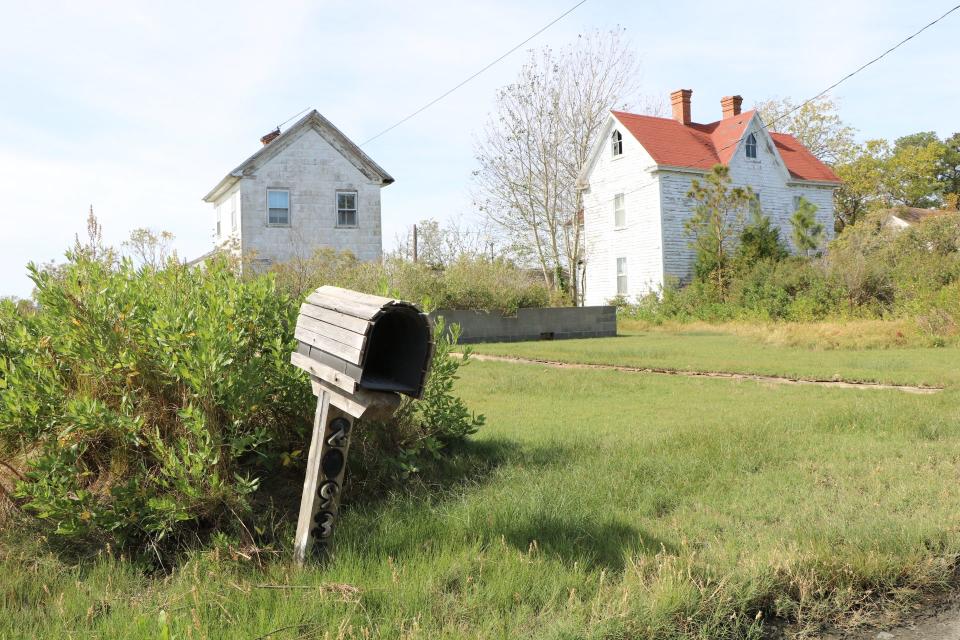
[[593, 505], [717, 351]]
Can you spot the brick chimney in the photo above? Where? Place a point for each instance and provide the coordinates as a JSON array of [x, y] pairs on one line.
[[680, 99], [270, 137], [730, 106]]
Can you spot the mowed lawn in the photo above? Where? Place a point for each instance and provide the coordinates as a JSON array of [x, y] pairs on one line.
[[718, 351], [593, 504]]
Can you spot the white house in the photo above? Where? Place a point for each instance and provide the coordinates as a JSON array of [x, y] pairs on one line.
[[306, 188], [636, 180]]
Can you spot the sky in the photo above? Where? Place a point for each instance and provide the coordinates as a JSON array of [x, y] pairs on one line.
[[139, 108]]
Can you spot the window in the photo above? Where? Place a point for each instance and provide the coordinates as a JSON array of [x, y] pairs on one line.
[[233, 211], [751, 146], [346, 208], [278, 206], [621, 276], [616, 143], [218, 221], [619, 211], [796, 202]]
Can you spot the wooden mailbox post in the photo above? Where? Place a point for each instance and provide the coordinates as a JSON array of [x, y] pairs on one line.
[[360, 351]]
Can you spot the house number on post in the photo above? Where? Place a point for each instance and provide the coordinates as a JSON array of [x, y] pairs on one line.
[[361, 351]]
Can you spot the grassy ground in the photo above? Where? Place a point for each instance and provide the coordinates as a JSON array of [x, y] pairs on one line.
[[805, 351], [593, 505]]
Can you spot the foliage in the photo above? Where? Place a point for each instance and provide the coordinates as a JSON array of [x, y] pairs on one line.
[[918, 170], [718, 214], [146, 405], [871, 270], [421, 429], [807, 232], [759, 240], [466, 283], [816, 124]]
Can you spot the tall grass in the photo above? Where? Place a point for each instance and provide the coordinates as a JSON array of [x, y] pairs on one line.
[[592, 505]]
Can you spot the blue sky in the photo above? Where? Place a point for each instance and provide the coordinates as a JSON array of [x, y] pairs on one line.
[[139, 108]]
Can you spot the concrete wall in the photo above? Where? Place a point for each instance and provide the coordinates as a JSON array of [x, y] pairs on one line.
[[555, 323], [313, 171], [639, 240]]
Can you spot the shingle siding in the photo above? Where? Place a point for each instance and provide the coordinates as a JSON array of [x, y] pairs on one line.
[[655, 242], [639, 240]]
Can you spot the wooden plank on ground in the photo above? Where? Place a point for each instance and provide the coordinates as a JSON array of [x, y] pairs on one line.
[[331, 346], [343, 336], [322, 371], [353, 323]]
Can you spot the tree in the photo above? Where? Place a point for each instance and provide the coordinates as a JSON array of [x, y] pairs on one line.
[[950, 171], [862, 178], [441, 244], [912, 172], [807, 232], [816, 124], [533, 149], [718, 213], [150, 248], [759, 240]]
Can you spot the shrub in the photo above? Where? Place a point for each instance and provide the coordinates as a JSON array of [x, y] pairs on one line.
[[145, 405], [467, 283]]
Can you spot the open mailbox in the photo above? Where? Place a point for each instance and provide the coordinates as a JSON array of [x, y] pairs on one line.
[[357, 345], [361, 351]]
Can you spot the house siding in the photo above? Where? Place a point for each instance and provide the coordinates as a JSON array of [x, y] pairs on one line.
[[639, 240], [764, 175], [313, 172]]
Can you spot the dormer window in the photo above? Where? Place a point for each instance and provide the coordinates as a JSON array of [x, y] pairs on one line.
[[616, 143], [751, 146]]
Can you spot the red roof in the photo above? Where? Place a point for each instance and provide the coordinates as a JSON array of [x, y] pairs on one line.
[[700, 146]]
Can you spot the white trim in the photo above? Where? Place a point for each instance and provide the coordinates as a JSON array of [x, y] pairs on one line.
[[289, 221], [356, 209]]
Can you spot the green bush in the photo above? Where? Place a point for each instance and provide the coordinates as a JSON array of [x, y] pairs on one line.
[[145, 406], [870, 271], [468, 283]]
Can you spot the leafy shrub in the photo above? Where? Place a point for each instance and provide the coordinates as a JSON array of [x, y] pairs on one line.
[[145, 406], [467, 283]]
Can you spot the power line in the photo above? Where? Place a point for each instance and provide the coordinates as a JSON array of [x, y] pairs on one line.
[[825, 91], [451, 90]]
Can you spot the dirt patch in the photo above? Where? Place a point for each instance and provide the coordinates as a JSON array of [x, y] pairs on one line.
[[843, 384], [940, 623]]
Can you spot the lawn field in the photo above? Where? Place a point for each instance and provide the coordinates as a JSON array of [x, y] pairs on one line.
[[593, 504], [712, 350]]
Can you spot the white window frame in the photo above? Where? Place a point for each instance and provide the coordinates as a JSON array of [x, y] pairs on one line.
[[278, 190], [218, 207], [233, 211], [622, 283], [751, 143], [796, 203], [355, 210], [619, 211], [616, 143]]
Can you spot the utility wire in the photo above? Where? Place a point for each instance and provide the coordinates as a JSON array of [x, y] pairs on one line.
[[451, 90], [822, 93]]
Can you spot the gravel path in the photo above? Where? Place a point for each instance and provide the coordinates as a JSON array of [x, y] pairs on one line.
[[711, 374]]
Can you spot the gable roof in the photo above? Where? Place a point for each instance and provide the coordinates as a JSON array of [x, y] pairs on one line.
[[327, 131], [701, 146]]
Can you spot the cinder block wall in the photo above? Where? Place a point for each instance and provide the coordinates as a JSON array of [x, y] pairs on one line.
[[554, 323]]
